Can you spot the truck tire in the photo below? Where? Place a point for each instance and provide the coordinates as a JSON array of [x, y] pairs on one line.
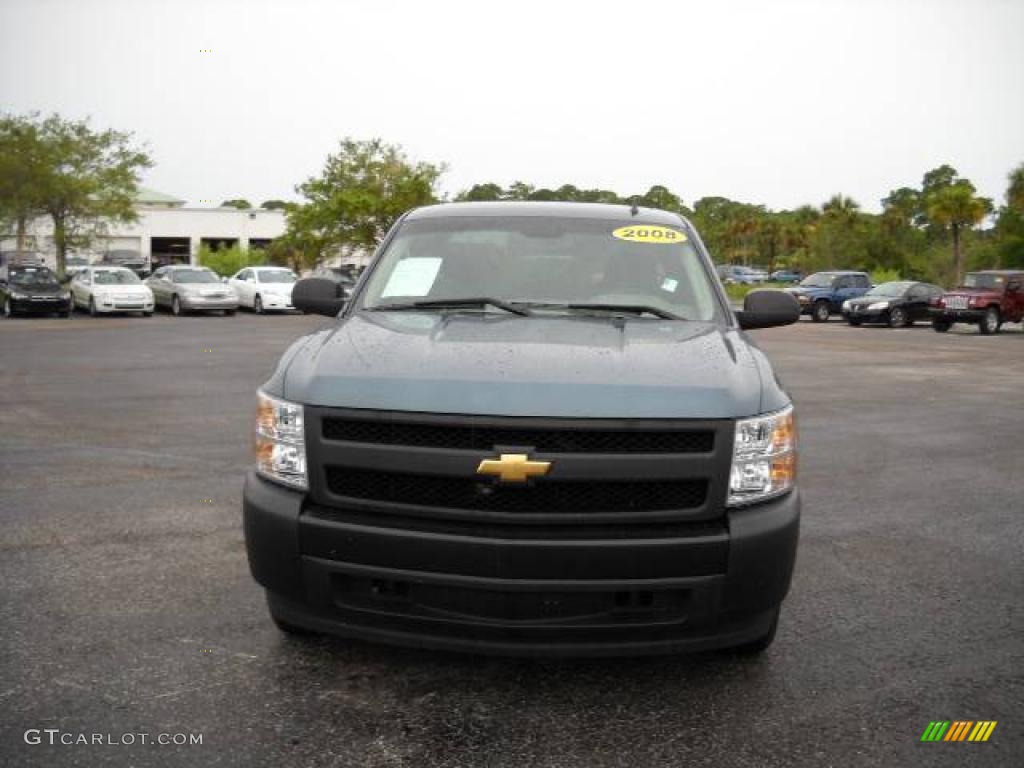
[[991, 322], [821, 312], [941, 326]]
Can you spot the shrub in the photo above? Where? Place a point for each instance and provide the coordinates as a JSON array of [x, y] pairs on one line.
[[226, 261], [879, 276]]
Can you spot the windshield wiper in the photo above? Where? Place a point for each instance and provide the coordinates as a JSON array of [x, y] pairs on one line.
[[636, 309], [476, 301]]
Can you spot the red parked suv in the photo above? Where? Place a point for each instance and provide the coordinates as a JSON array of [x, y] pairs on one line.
[[988, 299]]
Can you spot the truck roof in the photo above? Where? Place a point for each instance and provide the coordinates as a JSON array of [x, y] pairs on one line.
[[550, 209]]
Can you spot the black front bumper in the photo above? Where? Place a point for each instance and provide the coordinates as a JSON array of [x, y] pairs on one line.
[[974, 316], [40, 306], [709, 587], [867, 316]]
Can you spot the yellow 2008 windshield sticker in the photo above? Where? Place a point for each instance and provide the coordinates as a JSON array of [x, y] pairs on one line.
[[649, 233]]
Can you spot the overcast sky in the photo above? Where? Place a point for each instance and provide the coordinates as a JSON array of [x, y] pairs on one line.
[[779, 103]]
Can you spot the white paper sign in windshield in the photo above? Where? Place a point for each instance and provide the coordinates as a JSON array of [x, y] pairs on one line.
[[412, 277]]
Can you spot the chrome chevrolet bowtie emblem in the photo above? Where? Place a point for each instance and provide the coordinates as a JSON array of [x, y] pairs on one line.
[[513, 468]]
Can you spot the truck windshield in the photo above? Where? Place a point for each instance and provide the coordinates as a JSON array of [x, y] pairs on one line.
[[818, 281], [545, 262], [981, 280]]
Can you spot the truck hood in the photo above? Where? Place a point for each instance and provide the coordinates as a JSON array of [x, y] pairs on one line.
[[558, 366]]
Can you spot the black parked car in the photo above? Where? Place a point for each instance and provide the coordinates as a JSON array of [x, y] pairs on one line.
[[899, 303], [132, 260], [30, 289]]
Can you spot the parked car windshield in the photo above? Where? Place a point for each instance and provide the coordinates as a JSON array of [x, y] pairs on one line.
[[194, 276], [544, 261], [115, 277], [818, 281], [980, 280], [276, 276], [30, 276], [897, 288]]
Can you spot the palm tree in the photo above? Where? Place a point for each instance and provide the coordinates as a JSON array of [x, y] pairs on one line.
[[956, 206]]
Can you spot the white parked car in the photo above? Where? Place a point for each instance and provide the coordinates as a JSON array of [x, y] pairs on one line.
[[110, 289], [264, 288]]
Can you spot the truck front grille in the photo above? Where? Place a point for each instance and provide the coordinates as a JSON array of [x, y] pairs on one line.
[[392, 467], [545, 496], [485, 437]]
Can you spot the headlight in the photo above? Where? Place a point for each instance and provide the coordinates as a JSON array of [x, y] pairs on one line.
[[65, 296], [763, 458], [846, 306], [280, 441], [18, 295], [878, 305]]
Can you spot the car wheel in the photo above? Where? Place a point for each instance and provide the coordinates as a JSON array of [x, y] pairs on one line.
[[853, 322], [8, 309], [897, 317], [147, 314], [990, 322], [229, 312], [92, 307], [257, 305], [761, 644], [821, 312], [175, 306], [941, 326]]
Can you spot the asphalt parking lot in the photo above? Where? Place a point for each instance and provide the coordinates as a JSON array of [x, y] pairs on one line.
[[128, 607]]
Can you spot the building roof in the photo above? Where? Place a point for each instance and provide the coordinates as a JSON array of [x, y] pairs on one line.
[[147, 196]]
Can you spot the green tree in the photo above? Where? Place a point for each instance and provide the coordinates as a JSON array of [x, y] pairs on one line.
[[481, 193], [1015, 190], [363, 189], [21, 169], [239, 202], [84, 179], [274, 205], [659, 196], [957, 208], [1009, 228]]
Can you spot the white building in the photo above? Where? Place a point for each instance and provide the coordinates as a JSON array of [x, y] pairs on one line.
[[167, 231]]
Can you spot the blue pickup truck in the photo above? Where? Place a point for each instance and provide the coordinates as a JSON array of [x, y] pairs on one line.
[[822, 294]]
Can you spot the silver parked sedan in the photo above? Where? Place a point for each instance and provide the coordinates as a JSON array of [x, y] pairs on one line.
[[191, 289]]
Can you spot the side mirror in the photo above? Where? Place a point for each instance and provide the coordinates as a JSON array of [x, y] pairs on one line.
[[318, 296], [767, 309]]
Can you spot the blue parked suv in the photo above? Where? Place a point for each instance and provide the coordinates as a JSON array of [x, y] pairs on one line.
[[823, 293]]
